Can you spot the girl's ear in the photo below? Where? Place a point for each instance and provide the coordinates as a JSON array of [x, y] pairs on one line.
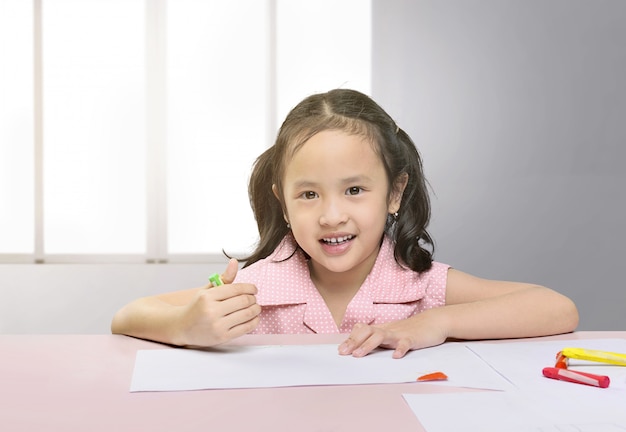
[[396, 192], [275, 191]]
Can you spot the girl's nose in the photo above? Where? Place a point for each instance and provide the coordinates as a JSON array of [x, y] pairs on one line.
[[332, 215]]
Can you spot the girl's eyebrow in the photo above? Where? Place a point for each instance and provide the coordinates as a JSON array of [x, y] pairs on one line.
[[358, 179], [303, 184]]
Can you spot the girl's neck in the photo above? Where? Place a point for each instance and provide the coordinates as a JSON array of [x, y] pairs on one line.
[[338, 289], [337, 281]]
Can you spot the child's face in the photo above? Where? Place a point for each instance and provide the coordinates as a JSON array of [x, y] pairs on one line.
[[336, 197]]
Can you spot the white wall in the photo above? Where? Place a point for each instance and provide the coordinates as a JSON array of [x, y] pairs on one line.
[[82, 298]]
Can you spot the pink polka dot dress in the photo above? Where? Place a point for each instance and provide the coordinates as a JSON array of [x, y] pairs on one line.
[[291, 304]]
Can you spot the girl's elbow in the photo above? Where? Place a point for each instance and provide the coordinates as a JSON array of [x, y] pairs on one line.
[[562, 312], [115, 325], [568, 316], [573, 317], [118, 323]]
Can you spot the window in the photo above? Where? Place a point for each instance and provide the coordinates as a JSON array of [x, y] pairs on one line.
[[93, 127], [130, 133]]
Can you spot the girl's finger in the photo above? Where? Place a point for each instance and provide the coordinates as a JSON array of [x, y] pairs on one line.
[[226, 292], [360, 332], [231, 271], [370, 344], [242, 321]]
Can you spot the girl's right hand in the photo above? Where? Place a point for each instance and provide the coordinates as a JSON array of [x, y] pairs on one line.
[[219, 314]]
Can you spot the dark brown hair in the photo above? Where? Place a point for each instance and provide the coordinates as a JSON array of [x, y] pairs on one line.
[[354, 113]]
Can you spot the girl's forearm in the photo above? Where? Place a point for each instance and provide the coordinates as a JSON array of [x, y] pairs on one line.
[[532, 311], [149, 318]]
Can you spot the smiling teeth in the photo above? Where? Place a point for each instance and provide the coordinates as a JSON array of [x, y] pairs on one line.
[[338, 239]]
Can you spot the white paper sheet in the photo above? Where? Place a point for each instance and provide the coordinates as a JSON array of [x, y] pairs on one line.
[[522, 362], [537, 403], [511, 411], [304, 365]]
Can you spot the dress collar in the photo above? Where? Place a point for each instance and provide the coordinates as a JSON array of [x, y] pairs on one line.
[[297, 287]]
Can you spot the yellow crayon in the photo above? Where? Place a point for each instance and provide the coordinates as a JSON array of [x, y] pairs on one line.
[[595, 356]]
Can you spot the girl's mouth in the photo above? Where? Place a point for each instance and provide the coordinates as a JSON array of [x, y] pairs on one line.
[[337, 240]]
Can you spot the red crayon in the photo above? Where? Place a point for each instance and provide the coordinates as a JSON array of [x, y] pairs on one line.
[[561, 361], [434, 376], [569, 375]]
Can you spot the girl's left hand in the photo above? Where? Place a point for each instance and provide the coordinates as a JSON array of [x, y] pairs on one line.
[[420, 331]]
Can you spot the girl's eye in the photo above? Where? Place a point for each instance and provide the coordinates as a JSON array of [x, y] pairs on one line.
[[309, 195], [354, 190]]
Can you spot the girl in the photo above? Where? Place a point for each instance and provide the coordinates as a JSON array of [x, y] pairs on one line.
[[342, 208]]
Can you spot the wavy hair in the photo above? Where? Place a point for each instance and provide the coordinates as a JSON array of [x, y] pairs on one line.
[[357, 114]]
